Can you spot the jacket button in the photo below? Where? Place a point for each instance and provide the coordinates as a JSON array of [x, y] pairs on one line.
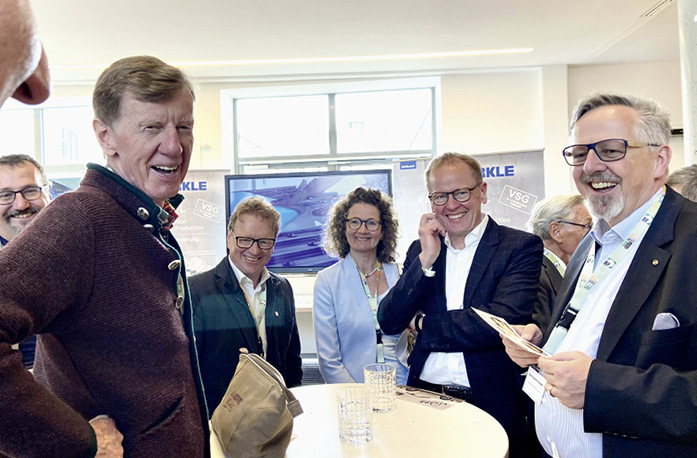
[[143, 213], [174, 265], [180, 302], [149, 227]]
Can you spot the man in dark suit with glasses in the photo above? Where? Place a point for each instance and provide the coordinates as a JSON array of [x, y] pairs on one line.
[[240, 304], [622, 376], [561, 222], [464, 259]]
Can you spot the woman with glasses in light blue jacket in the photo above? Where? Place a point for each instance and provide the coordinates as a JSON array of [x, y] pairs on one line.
[[362, 231]]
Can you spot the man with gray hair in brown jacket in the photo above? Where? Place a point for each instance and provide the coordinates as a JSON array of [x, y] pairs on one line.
[[101, 280]]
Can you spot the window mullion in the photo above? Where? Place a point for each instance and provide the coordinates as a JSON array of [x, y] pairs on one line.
[[332, 124]]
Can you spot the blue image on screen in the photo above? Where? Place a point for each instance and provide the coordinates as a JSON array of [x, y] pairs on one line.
[[304, 201]]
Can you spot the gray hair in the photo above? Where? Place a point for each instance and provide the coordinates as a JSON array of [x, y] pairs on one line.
[[17, 160], [653, 124], [557, 208], [686, 179]]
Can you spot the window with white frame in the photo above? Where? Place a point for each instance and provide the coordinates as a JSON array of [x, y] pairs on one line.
[[68, 138], [58, 133], [346, 126]]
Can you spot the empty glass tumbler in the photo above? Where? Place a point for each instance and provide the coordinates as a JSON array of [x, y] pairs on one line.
[[355, 414], [381, 382]]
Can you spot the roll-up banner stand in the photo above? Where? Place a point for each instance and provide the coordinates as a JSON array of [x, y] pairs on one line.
[[515, 183]]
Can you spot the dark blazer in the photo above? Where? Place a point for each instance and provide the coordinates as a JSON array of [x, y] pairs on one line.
[[550, 281], [223, 324], [503, 281], [642, 386]]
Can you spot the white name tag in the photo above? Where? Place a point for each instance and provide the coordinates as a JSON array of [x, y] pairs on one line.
[[534, 385]]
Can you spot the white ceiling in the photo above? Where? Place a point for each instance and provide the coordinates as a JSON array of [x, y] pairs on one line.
[[94, 33]]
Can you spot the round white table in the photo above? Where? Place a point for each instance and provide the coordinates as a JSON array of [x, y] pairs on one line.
[[420, 426]]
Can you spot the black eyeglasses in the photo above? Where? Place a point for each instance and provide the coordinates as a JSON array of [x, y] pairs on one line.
[[587, 226], [610, 150], [247, 242], [30, 193], [355, 223], [461, 195]]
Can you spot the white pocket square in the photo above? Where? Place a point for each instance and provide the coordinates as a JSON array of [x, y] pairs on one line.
[[665, 321]]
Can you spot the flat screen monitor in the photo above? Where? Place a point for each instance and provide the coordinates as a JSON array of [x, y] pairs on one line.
[[304, 201]]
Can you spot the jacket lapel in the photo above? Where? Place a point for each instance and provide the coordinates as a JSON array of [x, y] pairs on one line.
[[553, 274], [273, 310], [568, 285], [441, 299], [482, 258], [227, 284], [643, 274]]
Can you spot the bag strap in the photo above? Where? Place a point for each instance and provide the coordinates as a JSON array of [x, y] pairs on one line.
[[293, 405]]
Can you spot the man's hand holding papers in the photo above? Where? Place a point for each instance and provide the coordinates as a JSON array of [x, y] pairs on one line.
[[521, 342]]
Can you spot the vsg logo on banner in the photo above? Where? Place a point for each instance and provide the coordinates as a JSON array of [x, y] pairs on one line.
[[515, 182], [200, 228]]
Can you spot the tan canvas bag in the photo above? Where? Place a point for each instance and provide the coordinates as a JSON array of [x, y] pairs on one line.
[[255, 417]]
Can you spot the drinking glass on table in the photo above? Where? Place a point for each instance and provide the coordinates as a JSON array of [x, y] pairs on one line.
[[355, 414], [380, 381]]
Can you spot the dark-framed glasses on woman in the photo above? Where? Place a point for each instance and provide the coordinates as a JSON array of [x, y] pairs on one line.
[[355, 223]]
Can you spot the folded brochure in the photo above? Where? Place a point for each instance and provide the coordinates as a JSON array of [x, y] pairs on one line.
[[505, 329]]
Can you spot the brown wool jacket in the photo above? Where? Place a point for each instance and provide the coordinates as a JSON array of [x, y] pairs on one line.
[[96, 280]]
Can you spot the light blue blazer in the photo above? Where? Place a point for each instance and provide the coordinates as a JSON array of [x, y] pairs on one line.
[[344, 326]]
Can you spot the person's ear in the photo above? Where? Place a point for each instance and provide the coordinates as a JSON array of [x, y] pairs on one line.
[[663, 161], [483, 192], [105, 137], [554, 229]]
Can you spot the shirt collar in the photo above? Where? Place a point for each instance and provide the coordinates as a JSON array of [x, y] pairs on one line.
[[163, 216], [265, 275], [603, 232], [474, 236], [170, 217]]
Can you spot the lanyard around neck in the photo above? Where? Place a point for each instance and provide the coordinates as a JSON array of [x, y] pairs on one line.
[[590, 278], [373, 302], [555, 261], [258, 307]]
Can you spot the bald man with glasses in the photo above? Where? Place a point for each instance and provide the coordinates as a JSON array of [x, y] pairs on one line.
[[240, 304], [464, 259]]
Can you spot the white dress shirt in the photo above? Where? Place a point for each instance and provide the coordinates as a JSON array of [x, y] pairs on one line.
[[449, 368], [256, 299]]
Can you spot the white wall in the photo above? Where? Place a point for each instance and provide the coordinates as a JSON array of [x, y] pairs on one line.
[[659, 81], [492, 112]]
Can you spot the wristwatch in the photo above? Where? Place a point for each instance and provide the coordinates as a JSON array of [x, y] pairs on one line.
[[429, 272]]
